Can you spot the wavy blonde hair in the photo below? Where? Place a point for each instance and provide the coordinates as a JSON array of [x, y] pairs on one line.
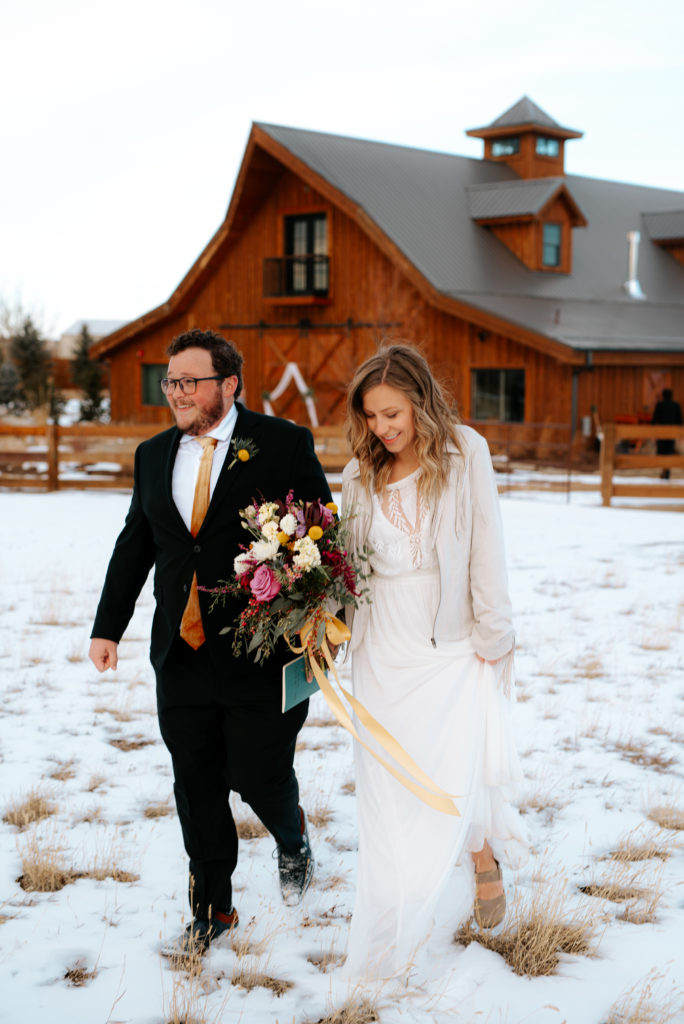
[[401, 366]]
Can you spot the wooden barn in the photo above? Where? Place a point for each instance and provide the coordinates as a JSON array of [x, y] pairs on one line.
[[536, 295]]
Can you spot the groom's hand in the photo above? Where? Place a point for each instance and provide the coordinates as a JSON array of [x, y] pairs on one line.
[[103, 654], [333, 648]]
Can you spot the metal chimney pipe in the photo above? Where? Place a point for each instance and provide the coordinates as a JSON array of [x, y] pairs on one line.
[[631, 285]]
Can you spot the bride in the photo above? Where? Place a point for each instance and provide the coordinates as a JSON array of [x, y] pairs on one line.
[[432, 661]]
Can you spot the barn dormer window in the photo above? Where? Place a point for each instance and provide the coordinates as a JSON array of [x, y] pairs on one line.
[[546, 146], [508, 146], [306, 249], [552, 238]]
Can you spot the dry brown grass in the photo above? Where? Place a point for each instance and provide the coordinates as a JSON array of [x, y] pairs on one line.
[[667, 815], [79, 975], [613, 891], [63, 771], [42, 865], [35, 806], [546, 799], [670, 734], [635, 847], [349, 787], [94, 782], [590, 666], [320, 722], [647, 1003], [354, 1011], [640, 753], [44, 868], [326, 961], [537, 931], [244, 943], [328, 883], [250, 976], [118, 714], [638, 890], [329, 743], [657, 639], [190, 991], [137, 743], [91, 816], [160, 809]]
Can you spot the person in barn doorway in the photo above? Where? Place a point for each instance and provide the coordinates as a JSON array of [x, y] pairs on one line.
[[669, 412], [219, 715], [432, 661]]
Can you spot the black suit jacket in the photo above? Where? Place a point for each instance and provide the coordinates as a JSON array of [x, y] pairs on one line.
[[155, 534]]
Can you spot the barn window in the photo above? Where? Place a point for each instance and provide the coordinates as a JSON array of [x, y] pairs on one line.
[[546, 146], [498, 395], [304, 269], [151, 375], [506, 147], [551, 245], [306, 246]]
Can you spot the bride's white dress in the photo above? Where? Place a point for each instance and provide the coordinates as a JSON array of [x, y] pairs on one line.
[[447, 710]]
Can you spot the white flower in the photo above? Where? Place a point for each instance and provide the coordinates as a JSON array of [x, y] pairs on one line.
[[263, 550], [266, 512], [288, 524], [270, 529], [243, 562], [307, 554]]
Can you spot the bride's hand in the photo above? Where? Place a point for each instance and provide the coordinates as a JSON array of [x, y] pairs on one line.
[[486, 660]]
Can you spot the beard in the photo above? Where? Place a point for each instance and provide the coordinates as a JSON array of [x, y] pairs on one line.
[[205, 418]]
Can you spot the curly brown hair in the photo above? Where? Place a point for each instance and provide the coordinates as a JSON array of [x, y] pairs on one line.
[[225, 357], [402, 366]]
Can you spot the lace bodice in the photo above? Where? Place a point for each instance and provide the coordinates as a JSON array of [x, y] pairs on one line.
[[401, 535]]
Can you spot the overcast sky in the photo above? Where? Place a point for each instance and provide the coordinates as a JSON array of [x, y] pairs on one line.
[[124, 123]]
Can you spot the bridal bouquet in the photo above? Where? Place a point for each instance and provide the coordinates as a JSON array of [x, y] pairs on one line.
[[296, 570]]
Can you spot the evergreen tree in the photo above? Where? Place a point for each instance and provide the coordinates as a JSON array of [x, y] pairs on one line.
[[9, 387], [86, 374], [31, 357], [56, 401]]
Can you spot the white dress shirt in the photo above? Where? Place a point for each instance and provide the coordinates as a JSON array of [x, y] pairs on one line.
[[186, 466]]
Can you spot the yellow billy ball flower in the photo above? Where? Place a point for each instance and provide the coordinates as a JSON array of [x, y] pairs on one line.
[[283, 538], [315, 532], [332, 506], [243, 455]]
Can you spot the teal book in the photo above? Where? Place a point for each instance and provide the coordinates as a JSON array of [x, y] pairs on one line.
[[295, 687]]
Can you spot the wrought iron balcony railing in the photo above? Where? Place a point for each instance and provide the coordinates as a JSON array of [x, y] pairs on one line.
[[292, 276]]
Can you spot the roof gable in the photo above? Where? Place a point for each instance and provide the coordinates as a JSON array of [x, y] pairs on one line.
[[527, 198], [416, 205]]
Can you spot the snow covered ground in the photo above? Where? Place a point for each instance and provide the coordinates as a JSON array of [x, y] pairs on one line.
[[600, 616]]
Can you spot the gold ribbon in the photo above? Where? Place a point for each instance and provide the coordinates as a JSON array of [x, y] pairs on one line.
[[415, 779]]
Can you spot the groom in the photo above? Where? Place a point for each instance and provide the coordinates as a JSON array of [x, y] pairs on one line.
[[220, 715]]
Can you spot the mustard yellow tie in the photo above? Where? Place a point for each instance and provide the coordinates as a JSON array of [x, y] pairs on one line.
[[191, 628]]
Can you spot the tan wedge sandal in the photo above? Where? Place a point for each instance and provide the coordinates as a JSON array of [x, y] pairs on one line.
[[489, 913]]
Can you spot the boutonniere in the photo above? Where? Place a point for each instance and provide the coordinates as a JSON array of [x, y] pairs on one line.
[[242, 449]]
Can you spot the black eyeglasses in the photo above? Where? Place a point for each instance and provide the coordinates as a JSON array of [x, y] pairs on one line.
[[188, 385]]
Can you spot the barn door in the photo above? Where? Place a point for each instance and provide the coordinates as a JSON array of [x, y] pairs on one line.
[[326, 362]]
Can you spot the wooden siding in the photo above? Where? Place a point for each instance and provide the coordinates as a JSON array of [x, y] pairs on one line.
[[367, 287]]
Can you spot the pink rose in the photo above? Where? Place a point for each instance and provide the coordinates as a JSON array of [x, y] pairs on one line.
[[263, 584]]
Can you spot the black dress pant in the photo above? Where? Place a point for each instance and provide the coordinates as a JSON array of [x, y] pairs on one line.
[[226, 733]]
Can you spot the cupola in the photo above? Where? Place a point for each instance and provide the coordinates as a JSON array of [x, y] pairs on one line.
[[527, 139]]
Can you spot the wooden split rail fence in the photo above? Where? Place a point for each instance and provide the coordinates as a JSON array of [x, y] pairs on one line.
[[616, 436], [100, 455]]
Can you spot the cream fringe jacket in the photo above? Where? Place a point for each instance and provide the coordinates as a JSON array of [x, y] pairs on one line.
[[474, 599]]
